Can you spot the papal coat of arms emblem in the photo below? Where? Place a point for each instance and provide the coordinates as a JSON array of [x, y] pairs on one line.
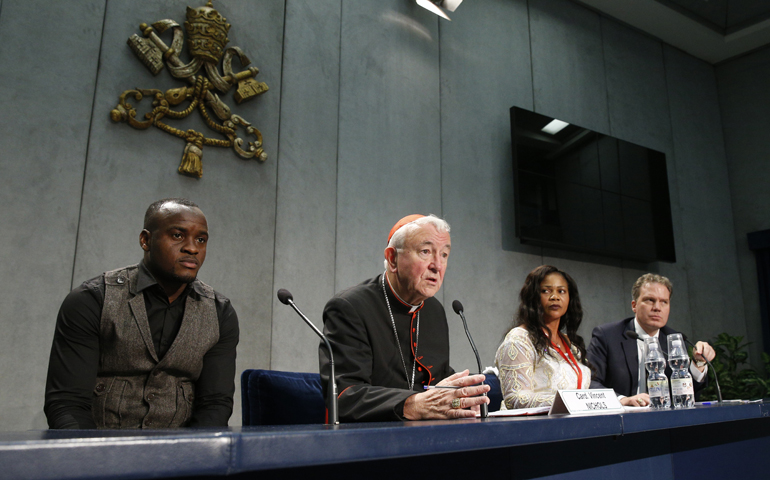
[[207, 41]]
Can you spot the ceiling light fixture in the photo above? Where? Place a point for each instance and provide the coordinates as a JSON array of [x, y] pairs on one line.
[[438, 6], [554, 127]]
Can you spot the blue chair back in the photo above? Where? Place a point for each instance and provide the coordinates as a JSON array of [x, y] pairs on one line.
[[495, 393], [271, 397]]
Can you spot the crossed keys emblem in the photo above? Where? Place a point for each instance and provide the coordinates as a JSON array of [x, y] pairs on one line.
[[206, 40]]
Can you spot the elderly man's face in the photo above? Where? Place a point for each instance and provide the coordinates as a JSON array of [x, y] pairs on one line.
[[422, 263], [652, 307]]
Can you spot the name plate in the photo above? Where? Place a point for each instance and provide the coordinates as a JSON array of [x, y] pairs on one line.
[[586, 402]]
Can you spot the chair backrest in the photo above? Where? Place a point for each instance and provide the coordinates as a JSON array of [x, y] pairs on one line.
[[495, 393], [271, 397]]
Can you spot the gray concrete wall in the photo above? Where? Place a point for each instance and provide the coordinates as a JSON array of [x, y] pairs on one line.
[[45, 128], [375, 110], [744, 100]]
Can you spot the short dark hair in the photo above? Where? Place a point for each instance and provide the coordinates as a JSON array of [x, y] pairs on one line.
[[152, 211]]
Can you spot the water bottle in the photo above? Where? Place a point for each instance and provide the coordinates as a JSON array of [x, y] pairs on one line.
[[657, 382], [681, 380]]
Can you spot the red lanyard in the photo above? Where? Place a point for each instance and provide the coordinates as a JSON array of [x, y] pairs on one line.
[[569, 358]]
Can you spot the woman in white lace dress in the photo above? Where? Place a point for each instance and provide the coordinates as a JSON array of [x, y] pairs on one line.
[[543, 352]]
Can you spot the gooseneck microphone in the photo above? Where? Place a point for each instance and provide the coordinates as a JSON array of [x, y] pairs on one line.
[[458, 308], [629, 334], [716, 380], [285, 297], [632, 334]]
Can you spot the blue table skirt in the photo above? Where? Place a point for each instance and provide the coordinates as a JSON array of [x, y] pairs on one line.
[[681, 443]]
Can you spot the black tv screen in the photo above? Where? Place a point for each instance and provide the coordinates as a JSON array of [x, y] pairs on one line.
[[576, 189]]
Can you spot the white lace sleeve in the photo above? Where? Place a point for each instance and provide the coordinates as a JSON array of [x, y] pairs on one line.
[[516, 360]]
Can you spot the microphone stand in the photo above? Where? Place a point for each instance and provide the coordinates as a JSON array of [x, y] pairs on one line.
[[287, 299], [716, 380], [458, 308]]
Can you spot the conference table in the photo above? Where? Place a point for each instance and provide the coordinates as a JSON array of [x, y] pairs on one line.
[[730, 441]]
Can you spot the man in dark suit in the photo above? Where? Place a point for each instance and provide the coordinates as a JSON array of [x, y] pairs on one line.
[[615, 356]]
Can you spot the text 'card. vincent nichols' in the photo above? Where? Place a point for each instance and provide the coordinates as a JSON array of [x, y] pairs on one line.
[[586, 402]]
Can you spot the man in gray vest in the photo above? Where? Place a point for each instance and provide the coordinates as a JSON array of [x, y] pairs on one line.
[[149, 345]]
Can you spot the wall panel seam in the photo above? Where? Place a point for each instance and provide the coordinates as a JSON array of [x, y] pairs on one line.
[[606, 82], [88, 145], [440, 139], [531, 59], [683, 256], [337, 158], [277, 176], [734, 236]]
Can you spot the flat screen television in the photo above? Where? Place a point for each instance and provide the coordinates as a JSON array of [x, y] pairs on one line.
[[576, 189]]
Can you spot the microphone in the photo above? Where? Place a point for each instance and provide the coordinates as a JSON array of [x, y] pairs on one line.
[[635, 336], [285, 297], [632, 334], [716, 380], [458, 308]]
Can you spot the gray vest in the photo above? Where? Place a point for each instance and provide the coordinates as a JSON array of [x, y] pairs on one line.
[[135, 389]]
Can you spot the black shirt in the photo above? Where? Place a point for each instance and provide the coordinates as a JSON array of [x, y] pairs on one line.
[[74, 360]]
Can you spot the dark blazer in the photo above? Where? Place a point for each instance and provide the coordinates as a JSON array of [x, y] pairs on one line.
[[614, 358]]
